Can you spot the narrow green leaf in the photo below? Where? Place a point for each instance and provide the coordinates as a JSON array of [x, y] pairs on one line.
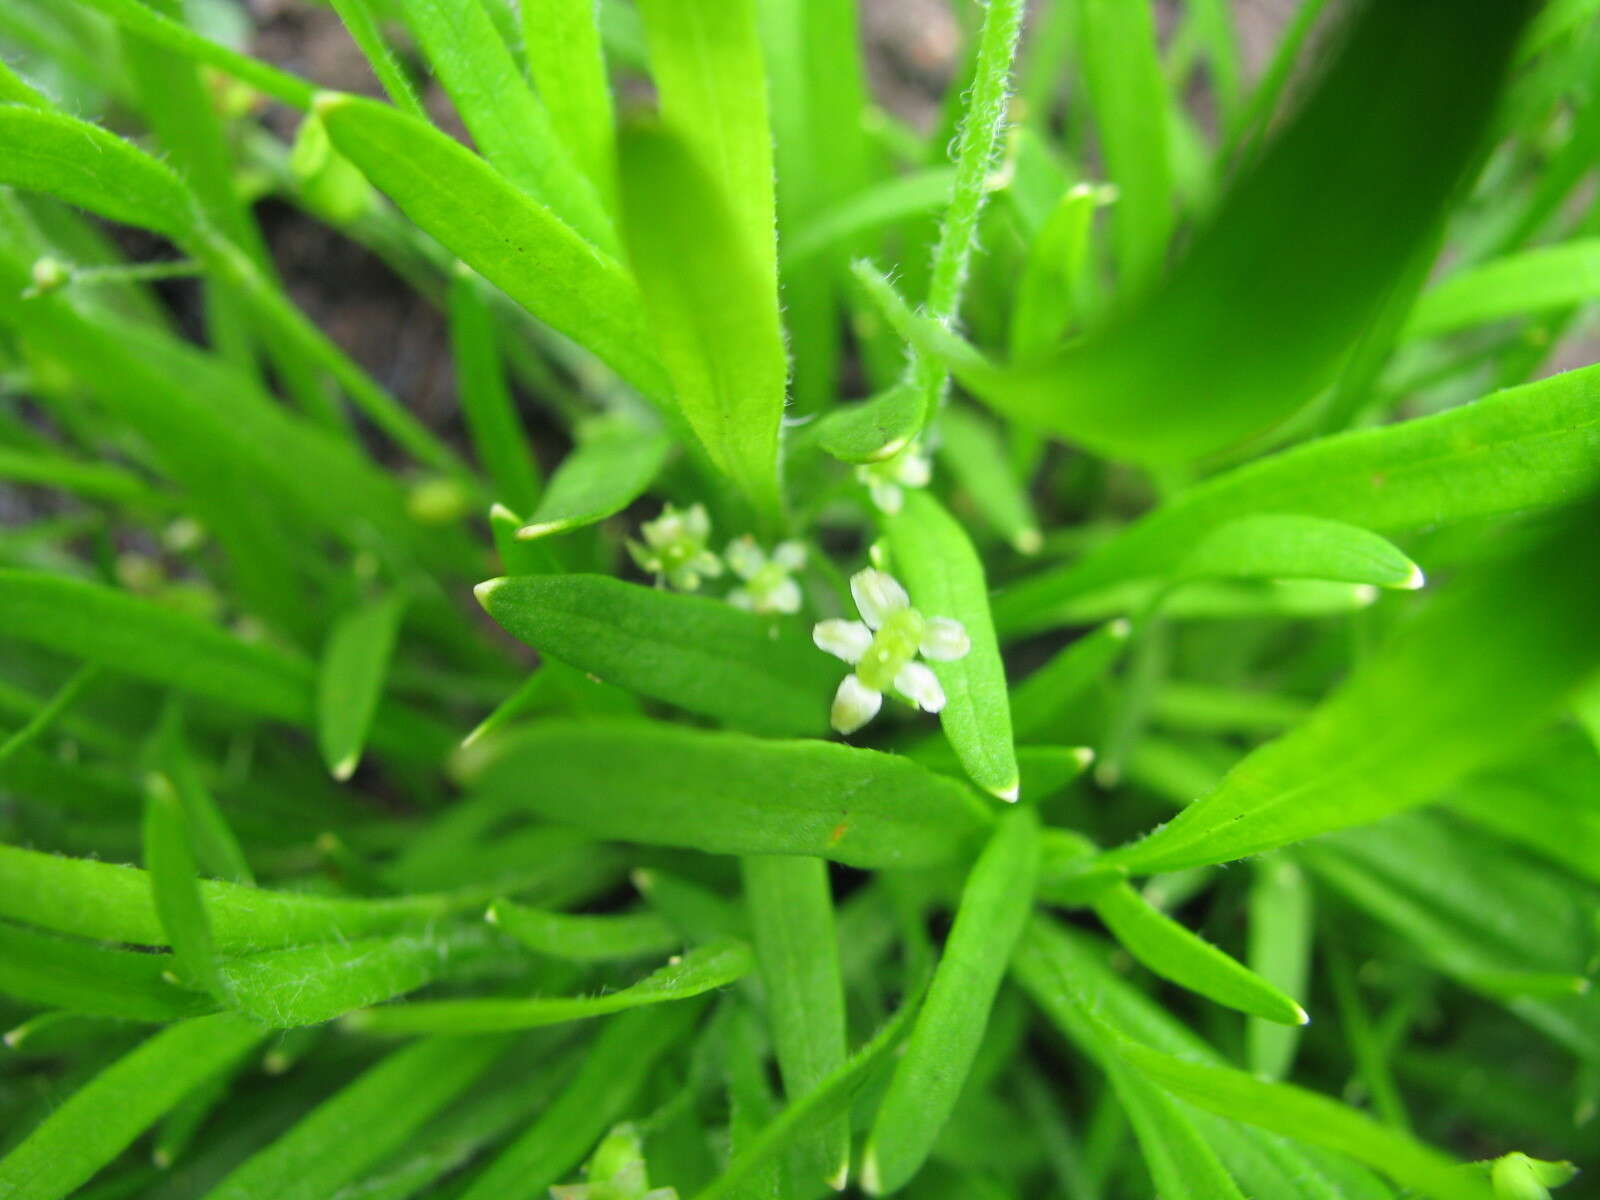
[[175, 887], [1306, 1117], [939, 1055], [88, 167], [355, 663], [99, 900], [384, 1108], [508, 122], [562, 42], [361, 20], [616, 1066], [873, 430], [63, 973], [1525, 284], [306, 985], [751, 671], [1128, 93], [1172, 952], [216, 848], [512, 241], [101, 1119], [1464, 682], [971, 447], [790, 904], [498, 437], [612, 464], [945, 578], [584, 938], [714, 312], [135, 636], [1281, 546], [1449, 467], [703, 969], [139, 17], [1190, 370], [1052, 279], [1182, 1161], [1045, 696], [872, 208], [829, 1100], [706, 61], [728, 793], [1280, 952], [39, 723]]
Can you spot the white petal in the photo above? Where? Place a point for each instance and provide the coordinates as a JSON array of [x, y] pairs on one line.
[[741, 598], [877, 595], [886, 496], [791, 556], [918, 684], [784, 598], [914, 470], [854, 704], [707, 564], [843, 639], [697, 521], [945, 640], [745, 557]]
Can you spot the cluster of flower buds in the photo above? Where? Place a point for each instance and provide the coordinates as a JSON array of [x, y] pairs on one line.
[[676, 550]]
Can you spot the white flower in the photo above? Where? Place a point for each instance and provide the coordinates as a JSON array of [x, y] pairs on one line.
[[768, 587], [883, 647], [674, 547], [885, 479]]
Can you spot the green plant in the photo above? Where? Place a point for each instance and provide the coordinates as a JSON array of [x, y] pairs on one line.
[[1110, 428]]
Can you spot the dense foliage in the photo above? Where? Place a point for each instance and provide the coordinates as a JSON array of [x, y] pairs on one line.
[[786, 728]]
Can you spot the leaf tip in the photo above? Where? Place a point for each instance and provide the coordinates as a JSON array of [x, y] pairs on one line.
[[346, 766], [1083, 756], [1121, 629], [1415, 581], [1028, 541], [492, 913], [1301, 1016], [841, 1175], [485, 590], [326, 103], [529, 532], [1011, 793], [871, 1177]]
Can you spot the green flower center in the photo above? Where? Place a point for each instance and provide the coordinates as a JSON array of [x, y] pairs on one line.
[[893, 646]]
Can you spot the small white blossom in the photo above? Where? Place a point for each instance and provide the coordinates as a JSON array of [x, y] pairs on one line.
[[883, 647], [884, 480], [768, 587], [674, 548]]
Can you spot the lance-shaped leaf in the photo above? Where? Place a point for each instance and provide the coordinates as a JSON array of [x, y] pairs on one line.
[[1258, 315], [932, 553], [583, 937], [790, 901], [175, 887], [706, 61], [81, 977], [972, 448], [875, 429], [512, 241], [702, 970], [612, 464], [88, 167], [101, 1119], [1462, 684], [508, 121], [1449, 467], [713, 308], [1284, 546], [939, 1055], [750, 671], [1172, 952], [355, 663], [1307, 1117], [388, 1103], [1526, 284], [728, 793]]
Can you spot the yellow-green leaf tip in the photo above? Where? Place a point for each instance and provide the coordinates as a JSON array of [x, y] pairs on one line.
[[871, 1179], [346, 766], [1010, 793], [324, 103], [1416, 580], [486, 589], [1028, 541]]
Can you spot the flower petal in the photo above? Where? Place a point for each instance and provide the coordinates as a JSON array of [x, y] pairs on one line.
[[741, 598], [877, 595], [843, 639], [886, 497], [791, 556], [854, 704], [913, 470], [745, 557], [918, 684], [945, 640], [698, 522], [783, 597]]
